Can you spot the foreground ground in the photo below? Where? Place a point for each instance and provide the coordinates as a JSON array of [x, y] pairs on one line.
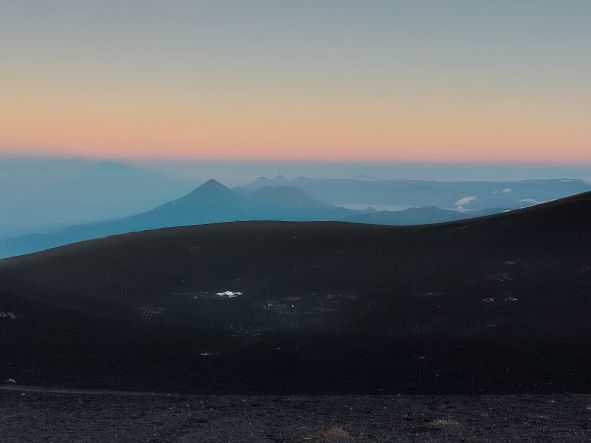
[[30, 415], [496, 305]]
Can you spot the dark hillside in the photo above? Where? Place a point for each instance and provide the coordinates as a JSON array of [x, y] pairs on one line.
[[496, 304]]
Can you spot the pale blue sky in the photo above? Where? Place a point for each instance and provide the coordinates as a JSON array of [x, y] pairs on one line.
[[423, 80]]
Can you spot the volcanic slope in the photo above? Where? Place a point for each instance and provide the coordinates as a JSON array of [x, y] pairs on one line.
[[496, 304]]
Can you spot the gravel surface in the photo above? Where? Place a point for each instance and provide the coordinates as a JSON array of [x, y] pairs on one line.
[[29, 415]]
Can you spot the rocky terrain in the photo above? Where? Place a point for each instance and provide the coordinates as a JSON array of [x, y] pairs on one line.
[[67, 416]]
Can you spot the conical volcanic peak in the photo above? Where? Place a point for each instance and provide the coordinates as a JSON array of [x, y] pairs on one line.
[[212, 184]]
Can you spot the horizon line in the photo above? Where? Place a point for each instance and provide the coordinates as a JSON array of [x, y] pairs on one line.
[[297, 160]]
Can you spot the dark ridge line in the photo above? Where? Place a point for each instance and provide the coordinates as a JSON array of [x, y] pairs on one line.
[[535, 208]]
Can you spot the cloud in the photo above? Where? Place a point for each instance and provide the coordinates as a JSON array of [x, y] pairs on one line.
[[504, 191], [531, 201], [465, 201]]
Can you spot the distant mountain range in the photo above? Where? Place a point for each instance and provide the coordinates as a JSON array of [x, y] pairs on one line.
[[209, 203], [464, 195], [213, 202], [284, 200], [43, 195]]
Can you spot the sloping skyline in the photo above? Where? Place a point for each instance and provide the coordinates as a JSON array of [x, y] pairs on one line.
[[423, 81]]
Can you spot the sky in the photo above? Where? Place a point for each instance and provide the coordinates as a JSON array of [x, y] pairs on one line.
[[504, 81]]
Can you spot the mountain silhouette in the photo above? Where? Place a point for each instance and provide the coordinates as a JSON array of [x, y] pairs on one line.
[[209, 203], [263, 182], [430, 193], [266, 199], [291, 203]]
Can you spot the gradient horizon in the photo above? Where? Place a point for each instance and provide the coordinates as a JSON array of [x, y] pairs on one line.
[[425, 81]]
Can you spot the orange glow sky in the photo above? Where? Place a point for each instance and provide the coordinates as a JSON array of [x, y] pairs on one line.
[[376, 80]]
